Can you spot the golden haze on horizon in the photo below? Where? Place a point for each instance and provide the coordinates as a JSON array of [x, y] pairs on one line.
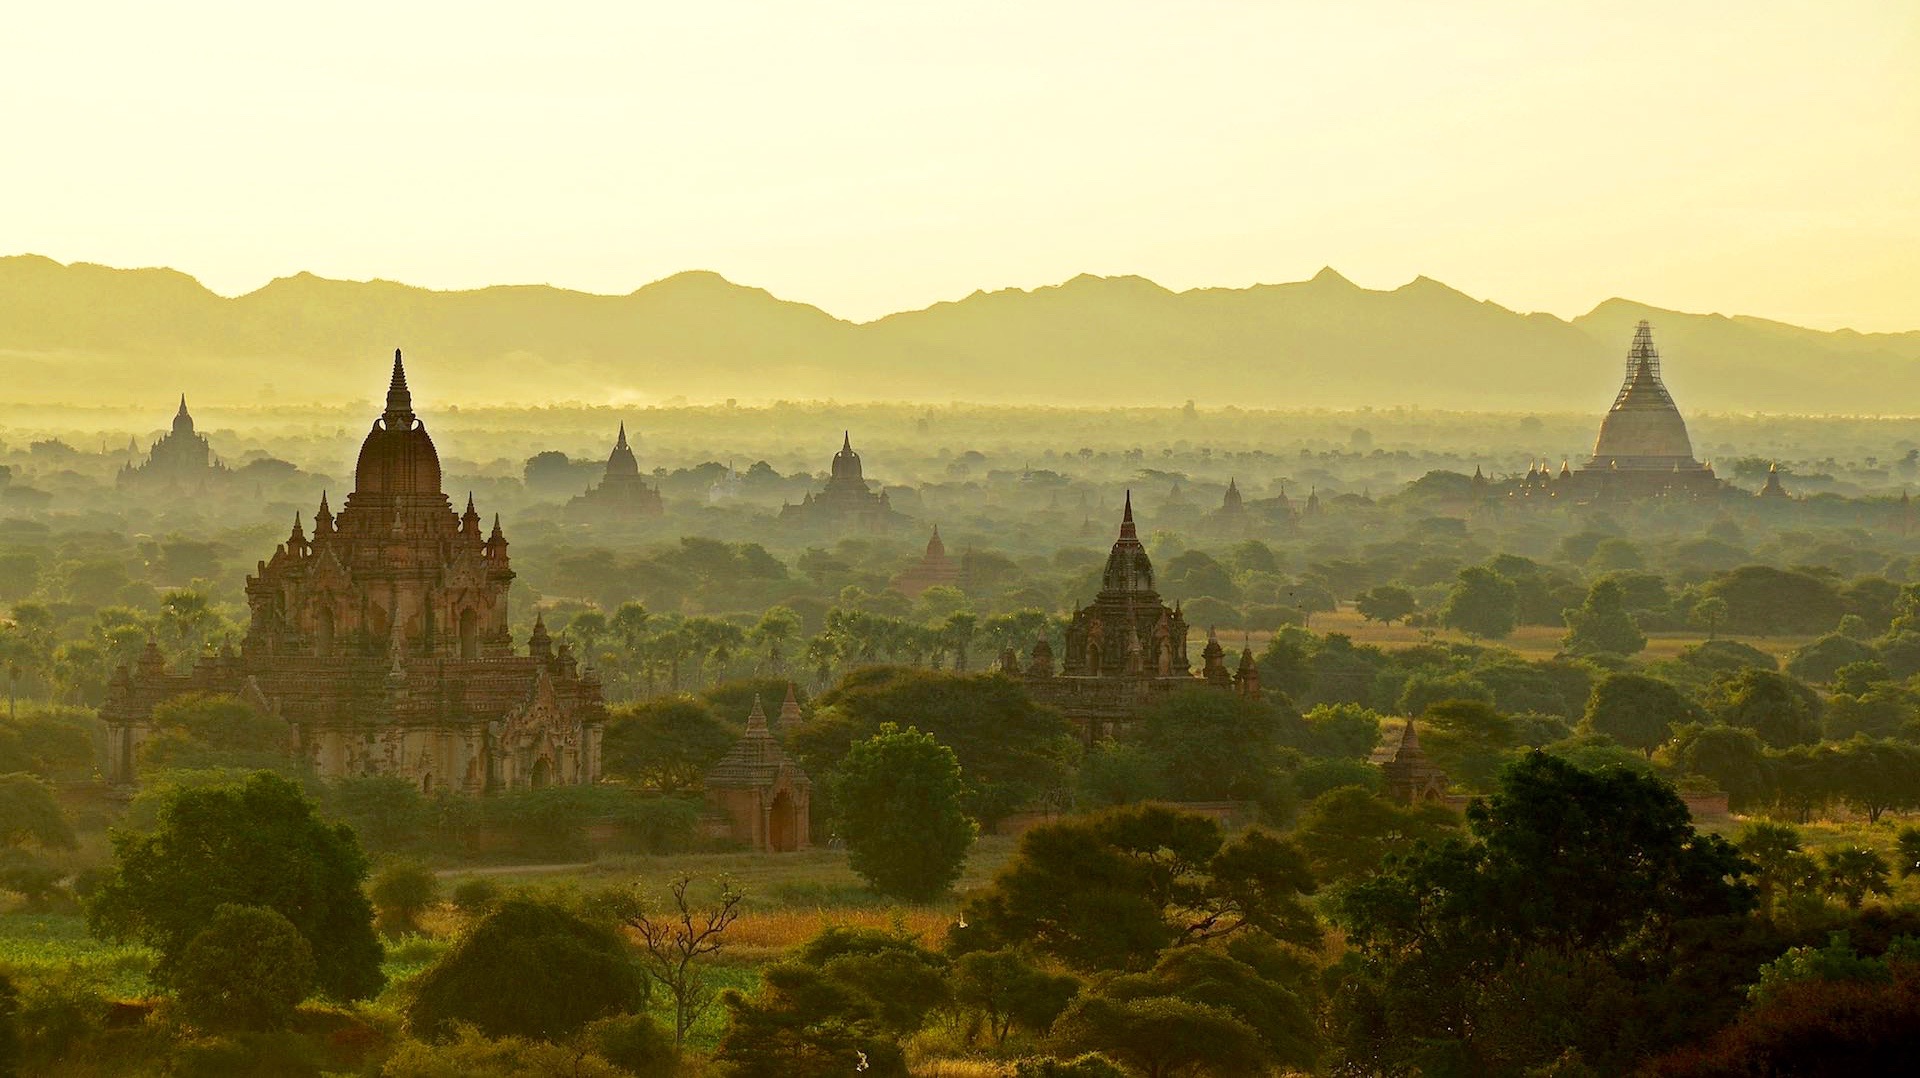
[[869, 158]]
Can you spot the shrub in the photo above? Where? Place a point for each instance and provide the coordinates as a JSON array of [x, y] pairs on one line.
[[636, 1044], [401, 892], [565, 972], [469, 1054], [476, 895], [246, 971]]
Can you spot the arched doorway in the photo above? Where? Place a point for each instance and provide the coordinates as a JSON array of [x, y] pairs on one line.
[[323, 632], [469, 634], [542, 774], [783, 832]]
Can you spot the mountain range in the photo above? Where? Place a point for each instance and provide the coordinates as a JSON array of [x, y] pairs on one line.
[[81, 332]]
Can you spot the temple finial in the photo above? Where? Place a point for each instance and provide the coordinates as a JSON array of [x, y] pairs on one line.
[[1126, 519], [846, 441], [399, 399], [183, 404], [622, 442]]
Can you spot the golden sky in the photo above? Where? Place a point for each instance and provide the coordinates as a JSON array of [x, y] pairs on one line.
[[1745, 157]]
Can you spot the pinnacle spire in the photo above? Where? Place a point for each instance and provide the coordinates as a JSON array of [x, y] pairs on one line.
[[846, 441], [183, 405], [1126, 519], [757, 718], [621, 443], [399, 398]]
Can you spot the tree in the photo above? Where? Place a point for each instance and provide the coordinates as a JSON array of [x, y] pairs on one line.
[[1007, 989], [564, 971], [1213, 745], [898, 796], [1854, 872], [1875, 776], [1599, 874], [1161, 1036], [199, 731], [401, 892], [247, 970], [1601, 624], [675, 944], [1468, 739], [1349, 831], [1013, 751], [803, 1023], [1708, 614], [255, 843], [1114, 889], [1482, 604], [1908, 843], [28, 813], [1781, 710], [1386, 603], [957, 632], [1774, 849], [902, 981], [1733, 758], [1636, 710], [665, 745], [777, 626], [467, 1053], [1766, 601]]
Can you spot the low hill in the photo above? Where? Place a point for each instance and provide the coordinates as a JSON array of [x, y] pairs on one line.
[[90, 332]]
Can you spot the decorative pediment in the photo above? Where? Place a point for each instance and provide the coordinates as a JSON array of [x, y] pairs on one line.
[[541, 714]]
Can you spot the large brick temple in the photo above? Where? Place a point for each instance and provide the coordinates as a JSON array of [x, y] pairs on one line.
[[382, 640], [1125, 650]]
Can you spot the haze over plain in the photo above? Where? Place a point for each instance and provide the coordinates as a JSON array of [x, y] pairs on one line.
[[871, 159]]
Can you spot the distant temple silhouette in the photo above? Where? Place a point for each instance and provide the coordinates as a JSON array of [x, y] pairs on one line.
[[182, 459], [382, 640], [846, 502], [1643, 450], [621, 494]]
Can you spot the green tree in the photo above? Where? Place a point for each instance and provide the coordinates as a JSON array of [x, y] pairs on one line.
[[775, 632], [804, 1023], [247, 970], [1854, 872], [1601, 624], [1603, 870], [1733, 758], [255, 843], [1708, 614], [564, 971], [1766, 601], [1349, 831], [1774, 849], [1013, 751], [666, 745], [201, 732], [1908, 843], [1636, 710], [29, 814], [1213, 745], [1161, 1036], [899, 797], [1482, 604], [1007, 989], [1386, 603], [1777, 708], [1114, 889], [402, 891]]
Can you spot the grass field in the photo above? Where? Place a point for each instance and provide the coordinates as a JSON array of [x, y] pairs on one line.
[[1529, 641]]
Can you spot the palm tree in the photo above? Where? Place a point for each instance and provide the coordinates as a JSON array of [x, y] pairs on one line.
[[959, 630], [1770, 846], [778, 625], [1853, 872]]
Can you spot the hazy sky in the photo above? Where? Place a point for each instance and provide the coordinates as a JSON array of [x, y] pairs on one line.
[[1751, 157]]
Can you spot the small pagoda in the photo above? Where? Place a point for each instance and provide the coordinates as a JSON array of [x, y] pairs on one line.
[[757, 795], [1409, 775]]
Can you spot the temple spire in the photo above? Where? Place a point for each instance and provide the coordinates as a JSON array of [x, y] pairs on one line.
[[1126, 520], [846, 441], [621, 443], [399, 399], [757, 719], [183, 405]]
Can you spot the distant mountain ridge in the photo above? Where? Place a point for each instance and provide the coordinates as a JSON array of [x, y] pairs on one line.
[[83, 331]]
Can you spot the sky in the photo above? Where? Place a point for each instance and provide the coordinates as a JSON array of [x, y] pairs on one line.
[[1757, 157]]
